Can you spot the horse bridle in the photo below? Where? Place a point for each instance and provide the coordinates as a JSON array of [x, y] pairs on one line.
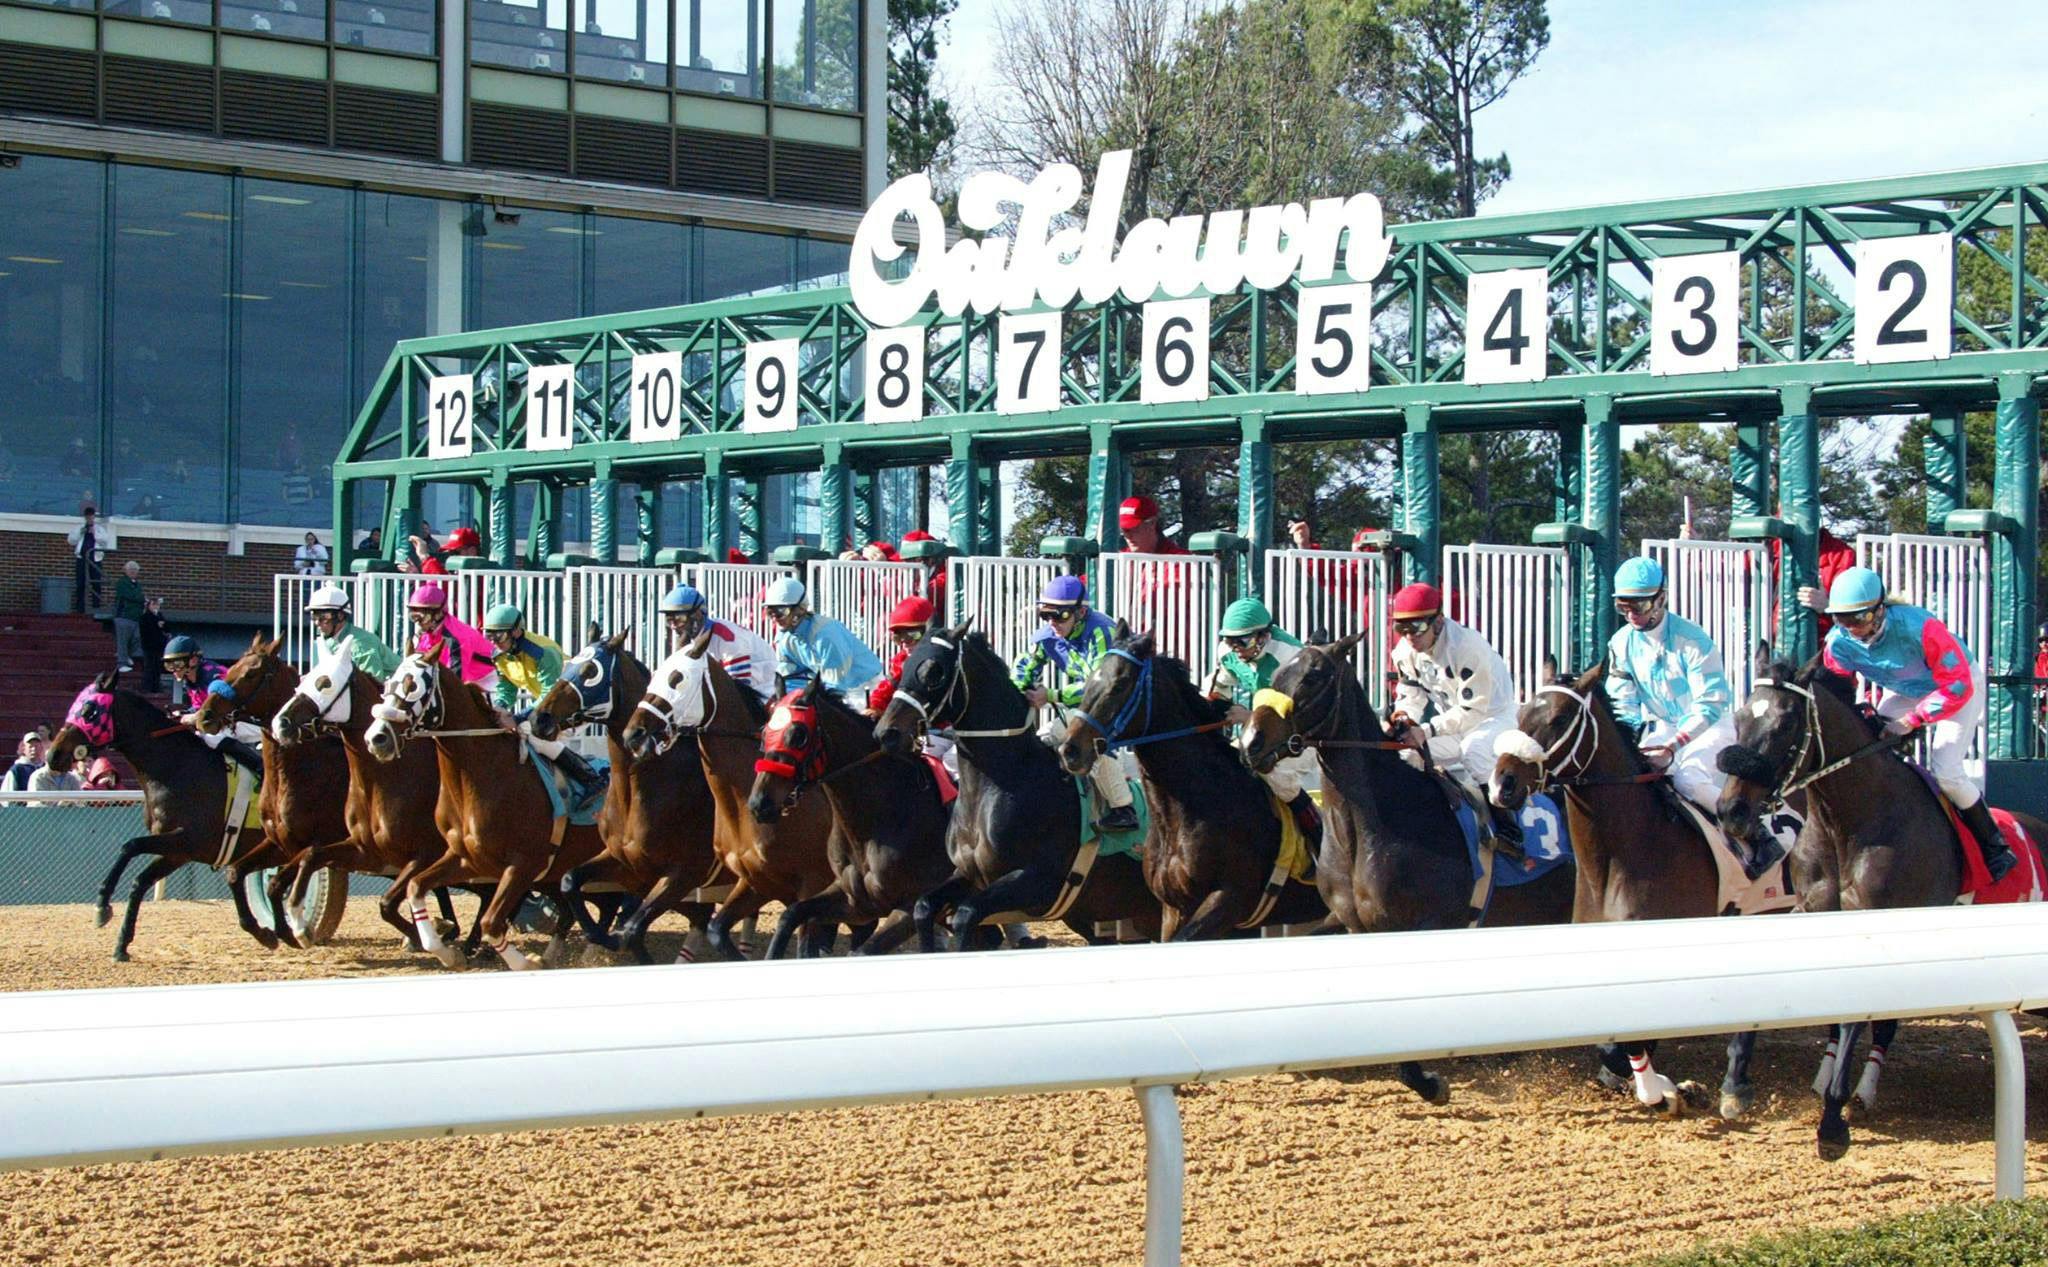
[[1811, 743], [1577, 751], [929, 713], [607, 663], [806, 766]]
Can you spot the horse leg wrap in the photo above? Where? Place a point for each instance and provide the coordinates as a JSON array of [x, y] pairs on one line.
[[1652, 1088], [1866, 1086], [296, 917], [1827, 1068], [514, 960]]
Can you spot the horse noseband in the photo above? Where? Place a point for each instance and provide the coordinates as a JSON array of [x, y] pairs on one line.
[[1295, 746]]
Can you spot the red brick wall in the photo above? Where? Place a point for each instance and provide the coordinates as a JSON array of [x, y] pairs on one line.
[[191, 576]]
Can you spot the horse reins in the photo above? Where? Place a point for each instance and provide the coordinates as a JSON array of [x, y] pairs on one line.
[[1811, 742], [1140, 697], [958, 681], [1582, 728]]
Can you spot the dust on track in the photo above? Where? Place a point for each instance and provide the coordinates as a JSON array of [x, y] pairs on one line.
[[1528, 1164]]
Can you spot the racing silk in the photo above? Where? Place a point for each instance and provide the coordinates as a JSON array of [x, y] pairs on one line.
[[195, 691], [1461, 676], [1064, 663], [533, 665], [1671, 674], [1247, 680], [463, 649], [820, 647], [745, 656], [1915, 656], [878, 699], [368, 651]]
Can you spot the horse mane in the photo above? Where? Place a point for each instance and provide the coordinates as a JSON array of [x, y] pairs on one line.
[[1205, 709], [1816, 676]]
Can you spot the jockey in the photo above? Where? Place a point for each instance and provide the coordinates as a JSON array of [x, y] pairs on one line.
[[1928, 680], [1665, 678], [328, 608], [1064, 652], [461, 648], [531, 663], [907, 624], [1253, 651], [814, 646], [745, 655], [1444, 666], [199, 675]]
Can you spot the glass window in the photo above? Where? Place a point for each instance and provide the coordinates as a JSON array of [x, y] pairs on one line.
[[639, 264], [527, 34], [719, 46], [792, 509], [623, 40], [292, 388], [199, 12], [168, 349], [822, 263], [398, 251], [65, 4], [682, 514], [528, 266], [51, 293], [300, 19], [736, 262], [817, 53], [397, 26]]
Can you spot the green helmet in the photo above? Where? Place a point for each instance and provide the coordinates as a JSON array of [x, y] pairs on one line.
[[503, 618], [1246, 616]]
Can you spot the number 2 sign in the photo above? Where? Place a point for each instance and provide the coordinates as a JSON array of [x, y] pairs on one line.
[[1905, 297], [450, 427]]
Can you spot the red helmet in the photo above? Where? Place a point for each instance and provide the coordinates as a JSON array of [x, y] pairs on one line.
[[915, 610], [1414, 601], [464, 538], [918, 534]]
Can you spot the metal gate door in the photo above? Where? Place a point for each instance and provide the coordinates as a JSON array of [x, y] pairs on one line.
[[859, 594], [541, 596], [1175, 597], [615, 599], [1519, 599], [733, 592], [1002, 597], [1724, 587], [1949, 576], [1332, 594], [288, 624]]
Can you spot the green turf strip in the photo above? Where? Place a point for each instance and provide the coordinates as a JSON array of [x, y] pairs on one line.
[[2001, 1234]]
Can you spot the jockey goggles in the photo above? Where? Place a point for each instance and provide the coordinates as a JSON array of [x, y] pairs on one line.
[[1636, 606], [1857, 619], [1238, 642], [1410, 626], [1059, 613]]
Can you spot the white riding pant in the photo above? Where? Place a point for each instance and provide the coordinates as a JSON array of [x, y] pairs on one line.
[[940, 744], [1467, 757], [248, 732], [1693, 769], [1947, 740], [1107, 774]]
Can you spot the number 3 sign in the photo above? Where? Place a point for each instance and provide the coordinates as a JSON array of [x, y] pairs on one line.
[[1694, 313]]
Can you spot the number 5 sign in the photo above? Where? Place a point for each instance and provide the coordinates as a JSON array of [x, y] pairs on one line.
[[1507, 326], [450, 429], [1694, 313]]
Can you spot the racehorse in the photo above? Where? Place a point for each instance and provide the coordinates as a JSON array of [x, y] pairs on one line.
[[305, 787], [1878, 823], [184, 800], [497, 820], [890, 846], [390, 804], [658, 816], [1015, 841], [785, 861], [1393, 856], [1214, 855], [1639, 854]]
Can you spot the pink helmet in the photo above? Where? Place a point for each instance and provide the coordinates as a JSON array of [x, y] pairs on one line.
[[428, 597]]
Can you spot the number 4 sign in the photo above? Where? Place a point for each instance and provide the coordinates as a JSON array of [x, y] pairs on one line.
[[1507, 326], [1905, 297]]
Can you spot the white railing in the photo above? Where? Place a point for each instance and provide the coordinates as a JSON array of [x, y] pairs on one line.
[[733, 592], [615, 599], [1002, 597], [859, 594], [1724, 587], [138, 1074], [1177, 598], [1334, 594], [541, 596], [1519, 599], [1949, 576], [288, 594]]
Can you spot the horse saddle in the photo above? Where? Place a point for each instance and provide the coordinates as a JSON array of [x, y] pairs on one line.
[[1737, 893], [2024, 883], [569, 798]]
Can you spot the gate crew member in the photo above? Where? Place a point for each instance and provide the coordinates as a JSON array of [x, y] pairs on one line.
[[1054, 672], [745, 655], [532, 663], [1666, 680], [814, 646], [328, 608], [1928, 680], [1138, 519], [197, 675], [1443, 666], [463, 649], [1253, 651]]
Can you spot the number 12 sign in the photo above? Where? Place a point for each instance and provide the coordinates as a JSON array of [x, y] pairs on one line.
[[451, 431]]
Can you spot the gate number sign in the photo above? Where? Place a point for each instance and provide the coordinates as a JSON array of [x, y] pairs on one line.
[[451, 424], [1507, 326], [1176, 352], [1028, 363], [1333, 340], [1905, 295], [550, 407], [771, 386], [1695, 313], [654, 402], [895, 374]]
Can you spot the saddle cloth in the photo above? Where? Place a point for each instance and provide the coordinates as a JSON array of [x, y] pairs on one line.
[[948, 790], [1546, 843], [1109, 844], [2021, 884], [244, 810], [1740, 895], [1295, 858], [557, 785]]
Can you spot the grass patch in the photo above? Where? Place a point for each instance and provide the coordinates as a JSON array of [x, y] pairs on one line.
[[2000, 1234]]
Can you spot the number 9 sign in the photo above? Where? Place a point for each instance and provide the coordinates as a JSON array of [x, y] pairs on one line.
[[1694, 313], [771, 393]]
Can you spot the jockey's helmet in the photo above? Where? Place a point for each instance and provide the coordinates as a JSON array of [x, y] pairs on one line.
[[1855, 590], [1246, 617], [1063, 591], [428, 597], [328, 598], [504, 618], [786, 592], [683, 598], [1638, 578], [914, 612], [182, 647], [1414, 602]]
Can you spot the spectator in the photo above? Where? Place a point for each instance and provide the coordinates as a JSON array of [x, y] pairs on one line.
[[1300, 536], [47, 780], [734, 554], [875, 552], [90, 541], [102, 777], [311, 558], [129, 606], [934, 571], [1836, 557], [153, 639], [1138, 517], [372, 543], [463, 542], [28, 758], [2041, 651]]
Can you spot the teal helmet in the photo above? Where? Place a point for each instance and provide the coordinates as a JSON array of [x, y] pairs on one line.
[[181, 647], [1638, 578], [1244, 617], [1855, 590], [504, 618], [683, 598]]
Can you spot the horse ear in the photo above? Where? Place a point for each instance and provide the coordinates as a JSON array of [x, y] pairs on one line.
[[105, 681], [1123, 630], [1591, 678], [697, 647], [617, 641], [592, 634], [1763, 663], [1141, 646], [1344, 646], [257, 640], [270, 647], [809, 695]]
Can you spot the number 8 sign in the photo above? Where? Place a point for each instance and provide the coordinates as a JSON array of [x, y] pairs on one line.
[[1694, 313], [895, 374], [771, 386], [450, 427]]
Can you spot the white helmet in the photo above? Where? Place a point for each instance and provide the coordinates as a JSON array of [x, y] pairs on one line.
[[328, 598], [787, 592]]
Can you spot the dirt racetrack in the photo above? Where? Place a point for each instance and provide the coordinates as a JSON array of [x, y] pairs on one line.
[[1528, 1164]]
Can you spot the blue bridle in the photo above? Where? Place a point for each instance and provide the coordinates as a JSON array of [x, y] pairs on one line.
[[1139, 698]]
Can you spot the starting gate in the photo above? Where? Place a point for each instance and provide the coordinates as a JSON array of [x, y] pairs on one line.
[[1175, 597], [1324, 595], [542, 597], [288, 594], [1001, 595], [1724, 587], [618, 598], [733, 591], [1949, 576], [859, 593], [1519, 599]]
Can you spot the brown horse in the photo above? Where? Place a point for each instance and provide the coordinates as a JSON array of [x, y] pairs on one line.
[[1393, 857], [1884, 837], [658, 817], [305, 787], [496, 819], [184, 800], [1215, 842], [785, 861], [891, 820]]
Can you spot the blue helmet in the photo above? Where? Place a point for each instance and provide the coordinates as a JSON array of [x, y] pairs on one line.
[[1855, 590], [1638, 578], [683, 598], [1064, 591]]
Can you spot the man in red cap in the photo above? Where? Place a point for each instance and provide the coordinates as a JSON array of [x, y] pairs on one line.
[[1454, 678], [462, 541], [1138, 517]]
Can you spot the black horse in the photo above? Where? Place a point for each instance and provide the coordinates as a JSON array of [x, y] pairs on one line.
[[1016, 830]]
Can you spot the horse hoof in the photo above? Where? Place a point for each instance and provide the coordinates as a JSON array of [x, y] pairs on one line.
[[1612, 1081], [1672, 1106], [554, 956], [447, 929], [1856, 1109], [449, 956], [1737, 1102], [120, 956], [1439, 1090], [103, 917], [1833, 1147], [264, 937]]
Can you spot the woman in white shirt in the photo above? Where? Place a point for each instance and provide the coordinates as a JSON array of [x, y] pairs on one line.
[[311, 559]]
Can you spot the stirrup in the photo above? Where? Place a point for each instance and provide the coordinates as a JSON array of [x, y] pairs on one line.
[[1118, 818]]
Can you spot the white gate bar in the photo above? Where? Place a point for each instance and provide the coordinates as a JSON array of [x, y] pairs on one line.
[[618, 598], [1725, 588], [1341, 592], [1517, 598], [1001, 594], [1177, 598], [733, 592], [1949, 576], [288, 623], [859, 593]]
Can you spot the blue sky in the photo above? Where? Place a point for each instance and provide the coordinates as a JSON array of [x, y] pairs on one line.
[[1643, 99]]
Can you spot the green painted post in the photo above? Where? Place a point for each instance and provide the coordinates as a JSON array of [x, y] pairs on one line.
[[835, 518], [717, 491], [988, 509], [1946, 461], [1108, 480], [747, 520], [1602, 517], [1799, 503], [1749, 468], [867, 505], [1569, 491], [401, 517], [647, 521], [604, 499], [542, 536], [502, 535], [1421, 498], [961, 493], [1254, 501], [2015, 554], [344, 526]]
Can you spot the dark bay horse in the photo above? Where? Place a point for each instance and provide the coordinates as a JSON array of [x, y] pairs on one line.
[[785, 861], [1885, 838], [1393, 857], [498, 823], [658, 818], [184, 799], [1211, 856], [1015, 839], [890, 848], [305, 786]]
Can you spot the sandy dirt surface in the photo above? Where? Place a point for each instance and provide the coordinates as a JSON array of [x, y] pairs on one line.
[[1528, 1164]]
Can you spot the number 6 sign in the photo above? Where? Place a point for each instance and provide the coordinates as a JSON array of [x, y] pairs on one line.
[[1176, 351], [771, 386], [450, 428]]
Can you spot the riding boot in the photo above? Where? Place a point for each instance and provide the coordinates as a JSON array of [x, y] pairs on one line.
[[588, 780], [1760, 853], [1507, 834], [1998, 859], [1119, 818], [1307, 817], [243, 754]]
